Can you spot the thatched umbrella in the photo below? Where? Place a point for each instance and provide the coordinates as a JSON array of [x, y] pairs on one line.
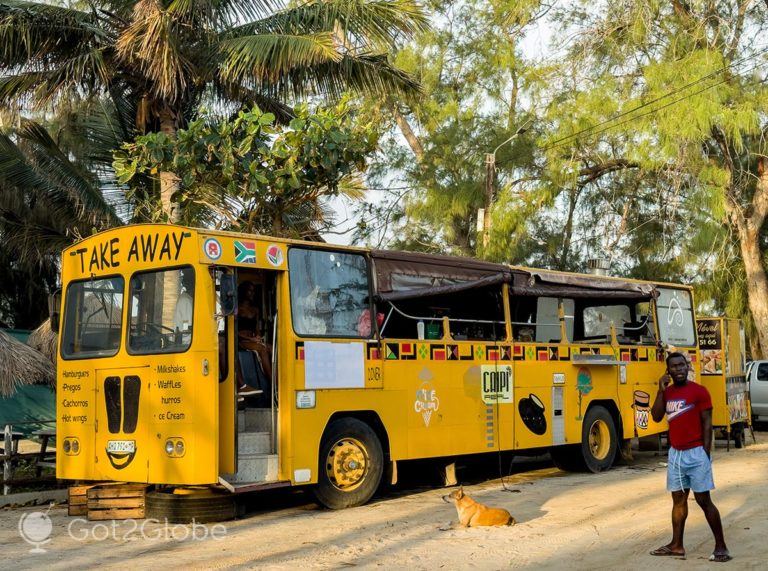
[[44, 339], [22, 365]]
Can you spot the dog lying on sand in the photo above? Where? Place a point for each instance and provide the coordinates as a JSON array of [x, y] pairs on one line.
[[473, 514]]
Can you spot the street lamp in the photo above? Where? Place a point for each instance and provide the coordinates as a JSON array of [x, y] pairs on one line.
[[484, 214]]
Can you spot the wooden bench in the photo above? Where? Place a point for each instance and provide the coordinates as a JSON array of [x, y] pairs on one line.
[[9, 453], [46, 458]]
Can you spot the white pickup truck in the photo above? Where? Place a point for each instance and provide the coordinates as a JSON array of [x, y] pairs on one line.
[[757, 377]]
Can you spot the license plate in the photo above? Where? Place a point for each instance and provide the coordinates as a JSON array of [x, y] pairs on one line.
[[121, 446]]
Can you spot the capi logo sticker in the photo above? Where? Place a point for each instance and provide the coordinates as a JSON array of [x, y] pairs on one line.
[[212, 248], [275, 255]]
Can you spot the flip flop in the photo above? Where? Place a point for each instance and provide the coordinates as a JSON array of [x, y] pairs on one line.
[[721, 557], [665, 551]]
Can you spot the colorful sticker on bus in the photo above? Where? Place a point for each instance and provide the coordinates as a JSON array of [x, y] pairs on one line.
[[245, 252], [275, 255], [212, 248]]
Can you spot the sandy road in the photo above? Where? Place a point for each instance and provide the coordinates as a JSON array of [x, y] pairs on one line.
[[574, 521]]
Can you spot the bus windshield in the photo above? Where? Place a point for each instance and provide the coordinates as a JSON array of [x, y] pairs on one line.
[[93, 318]]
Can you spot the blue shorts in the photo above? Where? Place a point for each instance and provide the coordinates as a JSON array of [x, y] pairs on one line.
[[689, 469]]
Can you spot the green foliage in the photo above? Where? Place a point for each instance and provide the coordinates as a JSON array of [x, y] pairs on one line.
[[51, 192], [472, 74], [253, 175]]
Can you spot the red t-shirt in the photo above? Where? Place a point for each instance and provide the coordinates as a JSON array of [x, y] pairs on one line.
[[684, 406]]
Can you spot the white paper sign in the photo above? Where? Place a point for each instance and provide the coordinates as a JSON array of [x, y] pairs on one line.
[[334, 365]]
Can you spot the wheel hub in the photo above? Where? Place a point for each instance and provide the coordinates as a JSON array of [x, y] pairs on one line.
[[599, 440], [347, 464]]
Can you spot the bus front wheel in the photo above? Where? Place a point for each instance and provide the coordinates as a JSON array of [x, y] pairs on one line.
[[351, 464]]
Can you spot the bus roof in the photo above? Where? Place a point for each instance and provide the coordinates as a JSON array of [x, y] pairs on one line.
[[466, 268]]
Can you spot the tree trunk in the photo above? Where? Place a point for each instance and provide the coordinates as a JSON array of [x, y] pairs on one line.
[[748, 223], [757, 283], [568, 231], [169, 182], [410, 136]]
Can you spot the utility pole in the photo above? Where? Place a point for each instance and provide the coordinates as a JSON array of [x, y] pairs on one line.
[[490, 187], [490, 190]]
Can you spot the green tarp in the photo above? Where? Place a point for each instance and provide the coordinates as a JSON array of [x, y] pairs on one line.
[[26, 409], [19, 334]]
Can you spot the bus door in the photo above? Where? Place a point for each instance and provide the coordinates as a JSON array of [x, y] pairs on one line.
[[122, 451]]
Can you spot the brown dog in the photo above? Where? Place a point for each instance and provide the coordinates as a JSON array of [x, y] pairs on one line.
[[473, 514]]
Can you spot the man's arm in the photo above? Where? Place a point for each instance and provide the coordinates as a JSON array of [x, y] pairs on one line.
[[706, 430], [659, 405]]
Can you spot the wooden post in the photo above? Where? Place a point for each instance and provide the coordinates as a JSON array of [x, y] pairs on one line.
[[7, 467]]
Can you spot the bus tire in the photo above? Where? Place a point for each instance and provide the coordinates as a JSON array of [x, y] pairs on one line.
[[568, 458], [599, 440], [350, 466], [207, 507]]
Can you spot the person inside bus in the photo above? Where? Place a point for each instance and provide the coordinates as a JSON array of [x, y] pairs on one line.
[[182, 315], [250, 339]]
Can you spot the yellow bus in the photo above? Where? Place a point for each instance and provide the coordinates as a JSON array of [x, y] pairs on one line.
[[364, 359]]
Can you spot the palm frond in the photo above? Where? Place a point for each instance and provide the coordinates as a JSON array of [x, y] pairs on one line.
[[265, 57], [152, 45], [367, 24], [45, 34], [85, 71], [368, 73]]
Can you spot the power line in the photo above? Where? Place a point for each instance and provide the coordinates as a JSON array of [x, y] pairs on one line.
[[738, 62], [657, 109]]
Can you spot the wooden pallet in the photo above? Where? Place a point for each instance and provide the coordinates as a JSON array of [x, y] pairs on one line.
[[78, 500], [107, 500], [116, 501]]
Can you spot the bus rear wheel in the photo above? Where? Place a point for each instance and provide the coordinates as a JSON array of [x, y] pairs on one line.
[[351, 464]]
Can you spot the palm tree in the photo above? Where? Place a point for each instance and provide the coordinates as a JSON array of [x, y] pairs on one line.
[[157, 60], [54, 188]]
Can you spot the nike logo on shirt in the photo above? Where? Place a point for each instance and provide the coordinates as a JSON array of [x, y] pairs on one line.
[[677, 407]]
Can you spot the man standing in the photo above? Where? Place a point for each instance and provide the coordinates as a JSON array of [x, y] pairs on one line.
[[689, 412]]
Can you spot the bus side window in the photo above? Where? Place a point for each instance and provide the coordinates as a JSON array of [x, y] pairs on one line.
[[548, 311], [474, 314]]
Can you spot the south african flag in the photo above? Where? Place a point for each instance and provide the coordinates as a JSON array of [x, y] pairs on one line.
[[245, 252]]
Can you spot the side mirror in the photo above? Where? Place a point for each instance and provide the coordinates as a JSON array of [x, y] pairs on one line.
[[54, 309], [228, 293]]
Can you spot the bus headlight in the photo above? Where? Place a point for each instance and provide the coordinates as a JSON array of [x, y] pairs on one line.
[[174, 447], [71, 446]]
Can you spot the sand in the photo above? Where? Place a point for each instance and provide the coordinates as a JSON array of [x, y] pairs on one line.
[[574, 521]]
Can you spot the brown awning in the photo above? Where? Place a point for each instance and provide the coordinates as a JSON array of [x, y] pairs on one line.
[[575, 285], [493, 279], [408, 275], [401, 271]]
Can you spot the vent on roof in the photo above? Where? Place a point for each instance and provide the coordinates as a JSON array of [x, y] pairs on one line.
[[598, 266]]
